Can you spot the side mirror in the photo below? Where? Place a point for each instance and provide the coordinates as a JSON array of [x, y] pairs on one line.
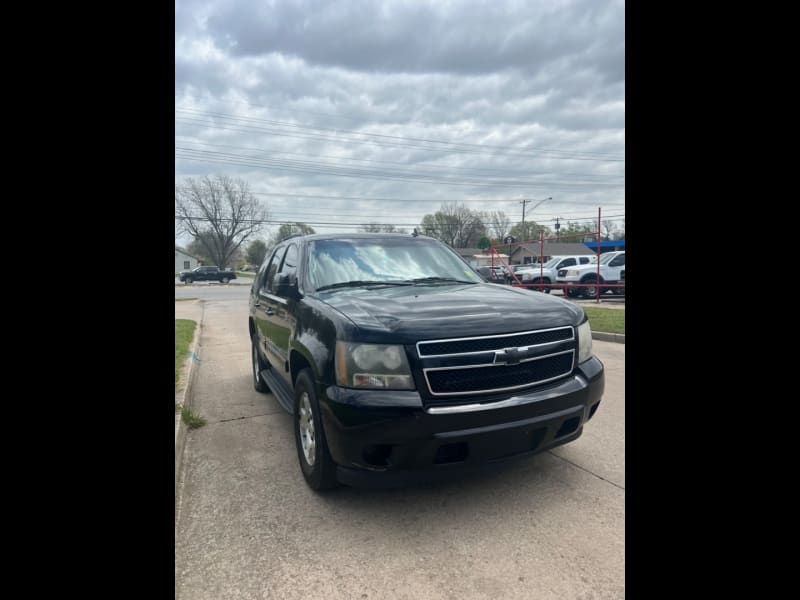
[[287, 287]]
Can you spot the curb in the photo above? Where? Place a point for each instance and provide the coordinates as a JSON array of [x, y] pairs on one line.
[[186, 400], [608, 337]]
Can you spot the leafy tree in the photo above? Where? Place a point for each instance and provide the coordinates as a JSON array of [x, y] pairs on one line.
[[219, 213], [484, 242], [577, 232], [288, 229], [531, 230], [256, 251]]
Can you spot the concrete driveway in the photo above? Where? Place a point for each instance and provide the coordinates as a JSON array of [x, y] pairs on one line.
[[247, 526]]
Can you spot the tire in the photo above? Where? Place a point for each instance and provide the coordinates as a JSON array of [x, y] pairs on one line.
[[572, 292], [187, 281], [316, 463], [258, 365], [544, 289], [588, 292], [224, 280]]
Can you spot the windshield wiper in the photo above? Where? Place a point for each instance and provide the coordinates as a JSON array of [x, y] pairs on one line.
[[439, 280], [359, 283]]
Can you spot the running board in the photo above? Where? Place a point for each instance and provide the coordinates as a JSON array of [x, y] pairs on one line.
[[278, 389]]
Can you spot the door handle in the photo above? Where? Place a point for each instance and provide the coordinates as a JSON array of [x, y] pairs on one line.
[[270, 311]]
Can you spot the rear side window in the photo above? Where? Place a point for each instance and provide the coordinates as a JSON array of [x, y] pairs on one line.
[[266, 276], [584, 260]]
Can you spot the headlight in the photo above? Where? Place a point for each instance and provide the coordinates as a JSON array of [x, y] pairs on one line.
[[584, 342], [372, 366], [572, 273]]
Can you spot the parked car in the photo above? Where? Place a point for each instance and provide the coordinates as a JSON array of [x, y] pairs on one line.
[[399, 363], [207, 273], [494, 274], [547, 273], [612, 267]]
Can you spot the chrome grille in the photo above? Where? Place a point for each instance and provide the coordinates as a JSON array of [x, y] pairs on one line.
[[495, 342], [495, 364]]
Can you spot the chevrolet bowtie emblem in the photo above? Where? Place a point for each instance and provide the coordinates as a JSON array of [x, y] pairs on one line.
[[510, 356]]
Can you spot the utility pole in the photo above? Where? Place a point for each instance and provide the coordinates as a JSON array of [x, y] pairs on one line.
[[524, 232], [558, 227], [524, 202]]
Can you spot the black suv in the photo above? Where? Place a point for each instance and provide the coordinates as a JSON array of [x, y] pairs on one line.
[[399, 362]]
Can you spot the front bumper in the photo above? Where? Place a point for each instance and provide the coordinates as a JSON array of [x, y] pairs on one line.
[[386, 438]]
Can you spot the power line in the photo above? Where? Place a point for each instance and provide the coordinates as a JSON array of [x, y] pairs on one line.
[[368, 198], [601, 156], [345, 223], [261, 151], [243, 128], [236, 160]]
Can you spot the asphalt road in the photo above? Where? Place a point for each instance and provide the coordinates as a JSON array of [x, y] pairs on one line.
[[247, 526]]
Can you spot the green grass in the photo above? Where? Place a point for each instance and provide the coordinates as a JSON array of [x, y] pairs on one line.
[[184, 332], [184, 299], [610, 320], [192, 420]]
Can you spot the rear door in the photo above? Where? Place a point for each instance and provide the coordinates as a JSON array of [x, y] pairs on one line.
[[263, 305], [282, 321]]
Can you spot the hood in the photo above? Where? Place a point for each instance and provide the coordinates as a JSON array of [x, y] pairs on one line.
[[413, 313]]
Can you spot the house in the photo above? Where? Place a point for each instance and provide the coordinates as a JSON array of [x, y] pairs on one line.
[[478, 257], [184, 261], [529, 253]]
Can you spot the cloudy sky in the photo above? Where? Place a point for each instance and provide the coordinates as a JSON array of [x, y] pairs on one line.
[[349, 112]]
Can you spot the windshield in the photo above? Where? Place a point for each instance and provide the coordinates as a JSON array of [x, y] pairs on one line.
[[606, 258], [552, 262], [383, 260]]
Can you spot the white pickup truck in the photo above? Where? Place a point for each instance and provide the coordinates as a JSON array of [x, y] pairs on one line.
[[546, 273], [612, 270]]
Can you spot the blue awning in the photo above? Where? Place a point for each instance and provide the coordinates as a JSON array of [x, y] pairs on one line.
[[606, 244]]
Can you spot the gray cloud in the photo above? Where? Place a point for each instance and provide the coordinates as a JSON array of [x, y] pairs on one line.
[[540, 86]]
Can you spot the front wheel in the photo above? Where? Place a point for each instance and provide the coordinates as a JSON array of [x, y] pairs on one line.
[[316, 463], [187, 281], [546, 287], [588, 292], [224, 280]]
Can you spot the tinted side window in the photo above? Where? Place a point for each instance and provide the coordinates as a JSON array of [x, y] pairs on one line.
[[289, 266], [265, 278], [567, 262], [584, 260], [617, 261]]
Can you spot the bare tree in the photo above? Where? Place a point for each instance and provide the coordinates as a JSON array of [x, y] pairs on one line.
[[500, 224], [378, 228], [221, 213], [619, 234], [610, 228], [454, 224]]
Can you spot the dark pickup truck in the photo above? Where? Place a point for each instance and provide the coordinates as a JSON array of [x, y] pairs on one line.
[[399, 363], [207, 274]]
